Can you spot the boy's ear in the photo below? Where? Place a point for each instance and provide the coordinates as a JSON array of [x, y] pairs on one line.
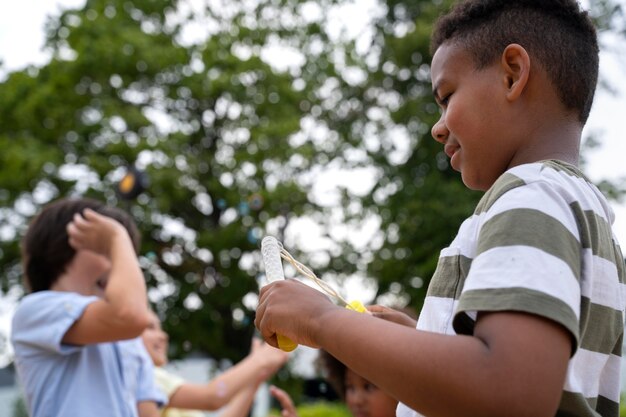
[[516, 65]]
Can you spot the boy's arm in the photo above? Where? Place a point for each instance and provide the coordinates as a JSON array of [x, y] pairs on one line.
[[514, 364], [260, 364], [123, 313]]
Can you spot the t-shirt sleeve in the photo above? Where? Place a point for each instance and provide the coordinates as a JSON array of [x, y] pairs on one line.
[[42, 319], [167, 382], [147, 388], [528, 259]]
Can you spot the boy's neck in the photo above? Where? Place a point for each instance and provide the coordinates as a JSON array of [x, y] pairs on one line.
[[556, 136], [64, 284]]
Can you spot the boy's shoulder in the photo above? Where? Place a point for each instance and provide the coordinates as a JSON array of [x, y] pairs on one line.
[[545, 178]]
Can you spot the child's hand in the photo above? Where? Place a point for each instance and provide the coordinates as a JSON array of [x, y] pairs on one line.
[[293, 310], [270, 358], [392, 315], [95, 232], [288, 409]]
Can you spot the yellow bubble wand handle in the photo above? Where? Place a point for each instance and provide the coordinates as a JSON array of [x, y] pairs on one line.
[[356, 305], [270, 250]]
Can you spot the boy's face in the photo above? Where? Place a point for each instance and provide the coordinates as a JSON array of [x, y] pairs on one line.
[[86, 274], [475, 117]]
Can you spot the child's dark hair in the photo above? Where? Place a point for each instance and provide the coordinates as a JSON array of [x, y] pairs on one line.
[[46, 251], [334, 372], [557, 33]]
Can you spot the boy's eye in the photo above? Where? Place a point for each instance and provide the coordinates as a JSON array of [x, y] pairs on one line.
[[445, 99]]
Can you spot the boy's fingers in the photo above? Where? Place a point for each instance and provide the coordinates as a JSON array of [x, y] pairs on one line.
[[260, 321], [375, 308]]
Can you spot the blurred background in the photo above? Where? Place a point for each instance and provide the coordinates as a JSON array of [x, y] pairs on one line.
[[217, 122]]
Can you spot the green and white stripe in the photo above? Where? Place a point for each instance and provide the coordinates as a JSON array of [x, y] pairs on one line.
[[540, 242]]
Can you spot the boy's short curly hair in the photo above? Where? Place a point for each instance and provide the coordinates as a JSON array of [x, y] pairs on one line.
[[46, 251], [557, 33]]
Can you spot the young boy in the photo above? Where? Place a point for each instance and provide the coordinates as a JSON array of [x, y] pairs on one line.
[[524, 315], [77, 351]]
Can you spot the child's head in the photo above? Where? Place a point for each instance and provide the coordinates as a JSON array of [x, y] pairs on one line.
[[362, 398], [515, 81], [558, 36], [155, 340], [46, 251]]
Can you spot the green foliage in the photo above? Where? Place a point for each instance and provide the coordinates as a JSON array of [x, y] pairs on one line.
[[419, 200], [209, 122], [19, 407], [320, 409]]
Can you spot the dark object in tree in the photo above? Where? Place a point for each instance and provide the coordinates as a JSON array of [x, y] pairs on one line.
[[133, 183]]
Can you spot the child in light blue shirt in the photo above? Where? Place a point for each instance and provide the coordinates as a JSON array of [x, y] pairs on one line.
[[75, 334]]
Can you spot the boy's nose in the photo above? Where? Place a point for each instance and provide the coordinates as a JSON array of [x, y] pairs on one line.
[[440, 131]]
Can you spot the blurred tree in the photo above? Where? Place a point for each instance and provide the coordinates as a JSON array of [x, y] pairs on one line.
[[185, 96], [234, 110]]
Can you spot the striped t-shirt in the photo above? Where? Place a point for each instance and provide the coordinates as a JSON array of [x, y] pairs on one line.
[[540, 242]]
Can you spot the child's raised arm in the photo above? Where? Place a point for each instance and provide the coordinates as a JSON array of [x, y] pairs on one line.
[[260, 364], [123, 312]]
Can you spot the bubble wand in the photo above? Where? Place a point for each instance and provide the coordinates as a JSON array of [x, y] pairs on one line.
[[272, 251]]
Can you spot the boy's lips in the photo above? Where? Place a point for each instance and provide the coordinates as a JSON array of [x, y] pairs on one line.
[[450, 150]]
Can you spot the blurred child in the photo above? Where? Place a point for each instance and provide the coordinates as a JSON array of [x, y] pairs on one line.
[[237, 384], [363, 398], [77, 351]]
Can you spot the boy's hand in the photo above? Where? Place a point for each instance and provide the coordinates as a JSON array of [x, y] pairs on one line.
[[291, 309], [95, 232], [392, 315], [288, 409]]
